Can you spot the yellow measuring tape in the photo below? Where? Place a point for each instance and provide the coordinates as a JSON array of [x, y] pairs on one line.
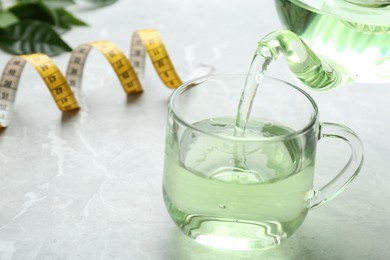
[[60, 86]]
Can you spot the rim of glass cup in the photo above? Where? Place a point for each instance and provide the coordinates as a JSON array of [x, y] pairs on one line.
[[200, 80]]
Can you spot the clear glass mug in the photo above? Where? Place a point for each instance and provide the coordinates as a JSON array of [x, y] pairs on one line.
[[247, 192]]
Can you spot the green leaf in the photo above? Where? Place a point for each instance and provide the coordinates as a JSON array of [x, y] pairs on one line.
[[102, 2], [61, 19], [32, 37], [7, 18], [56, 4], [51, 3], [26, 1], [67, 20], [33, 11]]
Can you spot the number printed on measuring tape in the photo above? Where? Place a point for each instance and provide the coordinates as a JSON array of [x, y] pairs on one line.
[[127, 70]]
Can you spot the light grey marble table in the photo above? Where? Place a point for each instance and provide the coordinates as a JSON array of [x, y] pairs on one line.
[[87, 185]]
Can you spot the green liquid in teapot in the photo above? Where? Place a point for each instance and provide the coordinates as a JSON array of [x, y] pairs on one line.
[[356, 40]]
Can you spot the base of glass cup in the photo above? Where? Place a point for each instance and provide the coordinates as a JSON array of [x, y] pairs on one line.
[[232, 234], [228, 233]]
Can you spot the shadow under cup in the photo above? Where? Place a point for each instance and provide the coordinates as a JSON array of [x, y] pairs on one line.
[[244, 192]]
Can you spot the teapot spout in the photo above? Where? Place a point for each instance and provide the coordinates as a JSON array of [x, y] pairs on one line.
[[312, 71]]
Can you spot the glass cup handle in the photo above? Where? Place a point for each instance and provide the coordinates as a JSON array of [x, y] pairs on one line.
[[350, 170]]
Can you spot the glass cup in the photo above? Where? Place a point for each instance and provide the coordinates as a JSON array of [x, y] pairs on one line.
[[251, 191]]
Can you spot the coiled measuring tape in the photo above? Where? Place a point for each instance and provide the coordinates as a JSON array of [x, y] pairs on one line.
[[60, 87]]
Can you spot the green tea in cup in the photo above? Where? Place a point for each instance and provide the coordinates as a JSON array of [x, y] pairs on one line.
[[253, 190]]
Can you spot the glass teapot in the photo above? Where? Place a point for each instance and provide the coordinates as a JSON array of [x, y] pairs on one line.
[[333, 42]]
